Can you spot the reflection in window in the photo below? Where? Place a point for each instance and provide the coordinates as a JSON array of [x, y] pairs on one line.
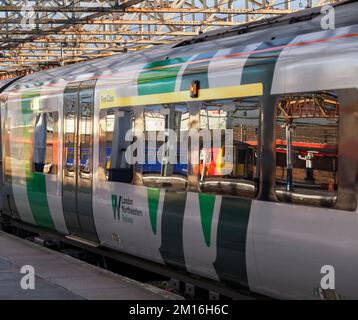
[[45, 143], [307, 148], [165, 155], [6, 142], [69, 129], [85, 133], [114, 125], [238, 175]]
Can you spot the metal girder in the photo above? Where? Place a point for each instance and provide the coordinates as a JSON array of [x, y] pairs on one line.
[[59, 48], [94, 41], [37, 34], [98, 33], [127, 22], [148, 10], [314, 106]]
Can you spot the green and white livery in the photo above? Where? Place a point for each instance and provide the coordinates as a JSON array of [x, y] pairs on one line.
[[56, 160]]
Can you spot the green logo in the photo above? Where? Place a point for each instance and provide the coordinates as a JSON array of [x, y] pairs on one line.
[[116, 206], [153, 202]]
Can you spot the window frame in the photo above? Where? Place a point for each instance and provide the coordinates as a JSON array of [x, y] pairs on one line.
[[240, 184], [103, 171], [346, 197], [193, 108], [53, 169]]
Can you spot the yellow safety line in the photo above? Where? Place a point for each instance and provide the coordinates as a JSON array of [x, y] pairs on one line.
[[108, 98]]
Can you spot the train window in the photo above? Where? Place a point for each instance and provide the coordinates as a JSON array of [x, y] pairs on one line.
[[70, 127], [45, 143], [307, 127], [165, 130], [6, 142], [228, 163], [114, 125], [85, 132]]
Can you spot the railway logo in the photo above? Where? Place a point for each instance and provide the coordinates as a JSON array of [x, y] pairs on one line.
[[124, 209], [116, 206]]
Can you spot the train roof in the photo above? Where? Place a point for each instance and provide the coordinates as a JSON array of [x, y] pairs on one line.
[[291, 25]]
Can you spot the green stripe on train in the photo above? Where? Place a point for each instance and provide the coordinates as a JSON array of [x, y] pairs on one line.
[[260, 66], [206, 205], [162, 77], [230, 263], [35, 181], [172, 247], [153, 202], [197, 70]]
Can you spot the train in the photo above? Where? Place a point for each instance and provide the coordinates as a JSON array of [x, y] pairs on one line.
[[284, 211]]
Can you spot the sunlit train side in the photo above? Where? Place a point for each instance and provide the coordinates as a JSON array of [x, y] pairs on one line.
[[287, 90]]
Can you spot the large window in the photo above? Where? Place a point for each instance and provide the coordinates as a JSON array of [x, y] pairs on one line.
[[85, 132], [307, 129], [45, 143], [229, 162], [70, 128], [115, 123], [165, 131]]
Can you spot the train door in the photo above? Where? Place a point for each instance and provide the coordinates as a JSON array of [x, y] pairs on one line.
[[78, 162]]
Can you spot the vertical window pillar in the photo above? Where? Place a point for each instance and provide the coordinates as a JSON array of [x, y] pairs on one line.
[[289, 129], [267, 149], [139, 127], [193, 168], [348, 156]]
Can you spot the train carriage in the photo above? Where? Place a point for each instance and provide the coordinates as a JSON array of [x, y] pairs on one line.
[[287, 206]]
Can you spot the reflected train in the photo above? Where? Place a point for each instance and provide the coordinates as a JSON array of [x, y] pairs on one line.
[[288, 205]]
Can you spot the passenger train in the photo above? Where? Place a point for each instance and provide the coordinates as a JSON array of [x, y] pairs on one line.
[[286, 208]]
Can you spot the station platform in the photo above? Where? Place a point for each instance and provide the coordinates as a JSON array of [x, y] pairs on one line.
[[61, 277]]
